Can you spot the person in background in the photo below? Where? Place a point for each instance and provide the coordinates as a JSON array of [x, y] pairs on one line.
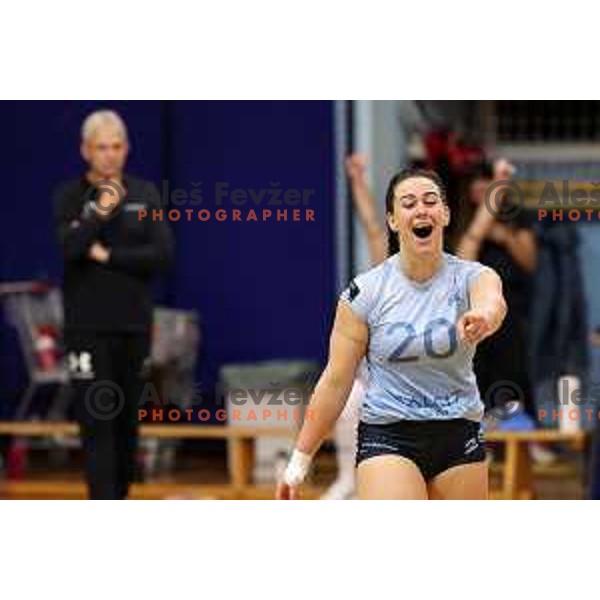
[[366, 208], [510, 248], [110, 259]]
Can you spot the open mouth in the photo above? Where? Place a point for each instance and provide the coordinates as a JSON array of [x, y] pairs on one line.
[[423, 231]]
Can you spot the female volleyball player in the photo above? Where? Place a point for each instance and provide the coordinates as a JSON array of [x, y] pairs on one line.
[[417, 319]]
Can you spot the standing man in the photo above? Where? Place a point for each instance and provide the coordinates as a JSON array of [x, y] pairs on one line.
[[111, 257]]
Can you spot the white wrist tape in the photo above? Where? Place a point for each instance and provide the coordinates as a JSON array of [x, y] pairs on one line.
[[297, 468]]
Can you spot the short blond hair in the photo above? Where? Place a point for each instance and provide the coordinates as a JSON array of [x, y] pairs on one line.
[[100, 118]]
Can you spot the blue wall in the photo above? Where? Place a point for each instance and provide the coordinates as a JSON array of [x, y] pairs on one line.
[[264, 289]]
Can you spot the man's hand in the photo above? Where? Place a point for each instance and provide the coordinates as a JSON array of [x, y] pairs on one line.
[[474, 326], [99, 253]]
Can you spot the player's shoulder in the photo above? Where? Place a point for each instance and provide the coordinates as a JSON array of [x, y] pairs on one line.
[[467, 269], [374, 276], [460, 264], [364, 290]]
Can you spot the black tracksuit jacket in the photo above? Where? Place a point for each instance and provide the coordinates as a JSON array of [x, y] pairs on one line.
[[115, 296]]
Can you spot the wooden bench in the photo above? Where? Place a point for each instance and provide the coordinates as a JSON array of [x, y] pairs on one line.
[[240, 440], [517, 477]]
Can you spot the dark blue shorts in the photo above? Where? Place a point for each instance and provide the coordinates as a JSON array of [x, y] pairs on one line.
[[434, 446]]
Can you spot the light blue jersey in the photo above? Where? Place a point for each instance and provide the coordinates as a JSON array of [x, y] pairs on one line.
[[416, 367]]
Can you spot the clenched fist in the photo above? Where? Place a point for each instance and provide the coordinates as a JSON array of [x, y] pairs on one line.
[[474, 326]]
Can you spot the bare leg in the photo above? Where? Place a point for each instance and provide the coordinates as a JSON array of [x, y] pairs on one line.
[[344, 486], [463, 482], [390, 477]]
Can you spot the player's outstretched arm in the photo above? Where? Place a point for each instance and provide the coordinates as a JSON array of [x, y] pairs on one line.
[[347, 347], [488, 308]]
